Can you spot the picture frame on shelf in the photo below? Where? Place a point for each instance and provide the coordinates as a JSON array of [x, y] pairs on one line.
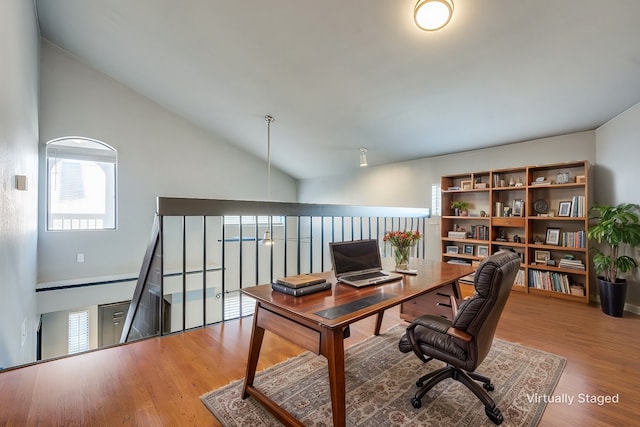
[[468, 249], [541, 257], [483, 251], [466, 185], [518, 208], [452, 249], [552, 237], [564, 208]]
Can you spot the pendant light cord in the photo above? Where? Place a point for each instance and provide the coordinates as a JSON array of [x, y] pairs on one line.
[[269, 120]]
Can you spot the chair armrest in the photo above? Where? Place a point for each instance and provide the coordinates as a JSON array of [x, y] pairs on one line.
[[454, 305], [459, 334]]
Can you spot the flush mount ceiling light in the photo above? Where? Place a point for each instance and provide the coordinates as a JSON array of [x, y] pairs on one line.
[[363, 157], [431, 15]]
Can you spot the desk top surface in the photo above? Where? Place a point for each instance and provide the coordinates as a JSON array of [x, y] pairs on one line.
[[344, 304]]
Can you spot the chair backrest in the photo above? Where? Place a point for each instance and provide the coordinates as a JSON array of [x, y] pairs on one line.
[[479, 315]]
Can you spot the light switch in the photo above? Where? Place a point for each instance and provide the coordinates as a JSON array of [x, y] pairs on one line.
[[79, 257], [21, 182]]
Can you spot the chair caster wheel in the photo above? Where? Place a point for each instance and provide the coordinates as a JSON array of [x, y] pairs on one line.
[[416, 403], [494, 415], [488, 387]]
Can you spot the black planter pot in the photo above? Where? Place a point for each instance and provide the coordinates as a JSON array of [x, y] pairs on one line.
[[612, 296]]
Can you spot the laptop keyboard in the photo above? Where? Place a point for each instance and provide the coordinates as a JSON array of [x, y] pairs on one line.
[[365, 276]]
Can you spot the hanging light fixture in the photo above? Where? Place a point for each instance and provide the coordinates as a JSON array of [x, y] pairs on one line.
[[267, 240], [363, 157], [431, 15]]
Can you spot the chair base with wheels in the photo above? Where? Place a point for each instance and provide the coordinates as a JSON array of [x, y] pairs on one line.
[[469, 379]]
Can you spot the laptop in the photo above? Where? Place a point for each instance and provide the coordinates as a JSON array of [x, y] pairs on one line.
[[357, 263]]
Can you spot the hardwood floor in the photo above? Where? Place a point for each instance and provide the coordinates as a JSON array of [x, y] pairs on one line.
[[159, 381]]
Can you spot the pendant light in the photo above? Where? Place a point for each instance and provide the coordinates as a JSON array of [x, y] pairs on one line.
[[267, 239], [363, 157]]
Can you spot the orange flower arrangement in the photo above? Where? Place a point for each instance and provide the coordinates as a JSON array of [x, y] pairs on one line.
[[402, 242], [402, 239]]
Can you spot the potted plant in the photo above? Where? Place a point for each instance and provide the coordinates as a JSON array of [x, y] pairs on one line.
[[460, 207], [614, 226]]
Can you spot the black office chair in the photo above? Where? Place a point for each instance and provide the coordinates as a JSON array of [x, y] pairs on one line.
[[464, 342]]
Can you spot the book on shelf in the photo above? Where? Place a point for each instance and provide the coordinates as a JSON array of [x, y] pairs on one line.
[[468, 279], [300, 280], [459, 261], [577, 206], [552, 281], [519, 280], [577, 289], [574, 239], [480, 232], [457, 234], [575, 264], [305, 290]]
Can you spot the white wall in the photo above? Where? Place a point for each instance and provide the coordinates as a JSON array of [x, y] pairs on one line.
[[618, 154], [409, 183], [19, 42], [159, 154], [55, 331]]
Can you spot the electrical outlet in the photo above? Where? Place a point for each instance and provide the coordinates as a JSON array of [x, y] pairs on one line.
[[79, 257], [24, 331]]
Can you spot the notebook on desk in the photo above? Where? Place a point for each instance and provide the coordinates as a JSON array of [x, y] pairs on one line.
[[358, 263]]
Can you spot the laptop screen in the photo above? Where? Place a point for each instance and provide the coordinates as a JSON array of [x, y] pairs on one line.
[[355, 256]]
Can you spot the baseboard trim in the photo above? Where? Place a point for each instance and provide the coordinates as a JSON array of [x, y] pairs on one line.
[[632, 308]]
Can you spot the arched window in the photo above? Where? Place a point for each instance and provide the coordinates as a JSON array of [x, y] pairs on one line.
[[81, 184]]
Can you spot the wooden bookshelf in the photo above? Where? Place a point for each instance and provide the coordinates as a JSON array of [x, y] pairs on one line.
[[539, 212]]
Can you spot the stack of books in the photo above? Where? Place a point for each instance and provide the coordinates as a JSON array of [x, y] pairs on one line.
[[457, 234], [575, 264], [301, 284]]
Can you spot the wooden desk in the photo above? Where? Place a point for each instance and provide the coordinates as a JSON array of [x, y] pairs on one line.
[[299, 320]]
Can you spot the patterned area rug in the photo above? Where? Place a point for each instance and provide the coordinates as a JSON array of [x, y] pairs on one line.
[[380, 382]]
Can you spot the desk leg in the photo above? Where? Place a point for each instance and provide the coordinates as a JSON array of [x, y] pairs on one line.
[[257, 334], [378, 323], [332, 347]]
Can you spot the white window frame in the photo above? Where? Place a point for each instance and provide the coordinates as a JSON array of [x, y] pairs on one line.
[[88, 151], [436, 200], [78, 340]]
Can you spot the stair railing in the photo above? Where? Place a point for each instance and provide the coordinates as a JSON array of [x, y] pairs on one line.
[[203, 251]]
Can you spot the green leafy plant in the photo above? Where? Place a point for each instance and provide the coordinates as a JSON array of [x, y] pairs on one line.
[[459, 204], [612, 227]]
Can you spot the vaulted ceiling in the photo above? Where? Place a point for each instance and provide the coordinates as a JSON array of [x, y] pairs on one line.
[[338, 75]]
